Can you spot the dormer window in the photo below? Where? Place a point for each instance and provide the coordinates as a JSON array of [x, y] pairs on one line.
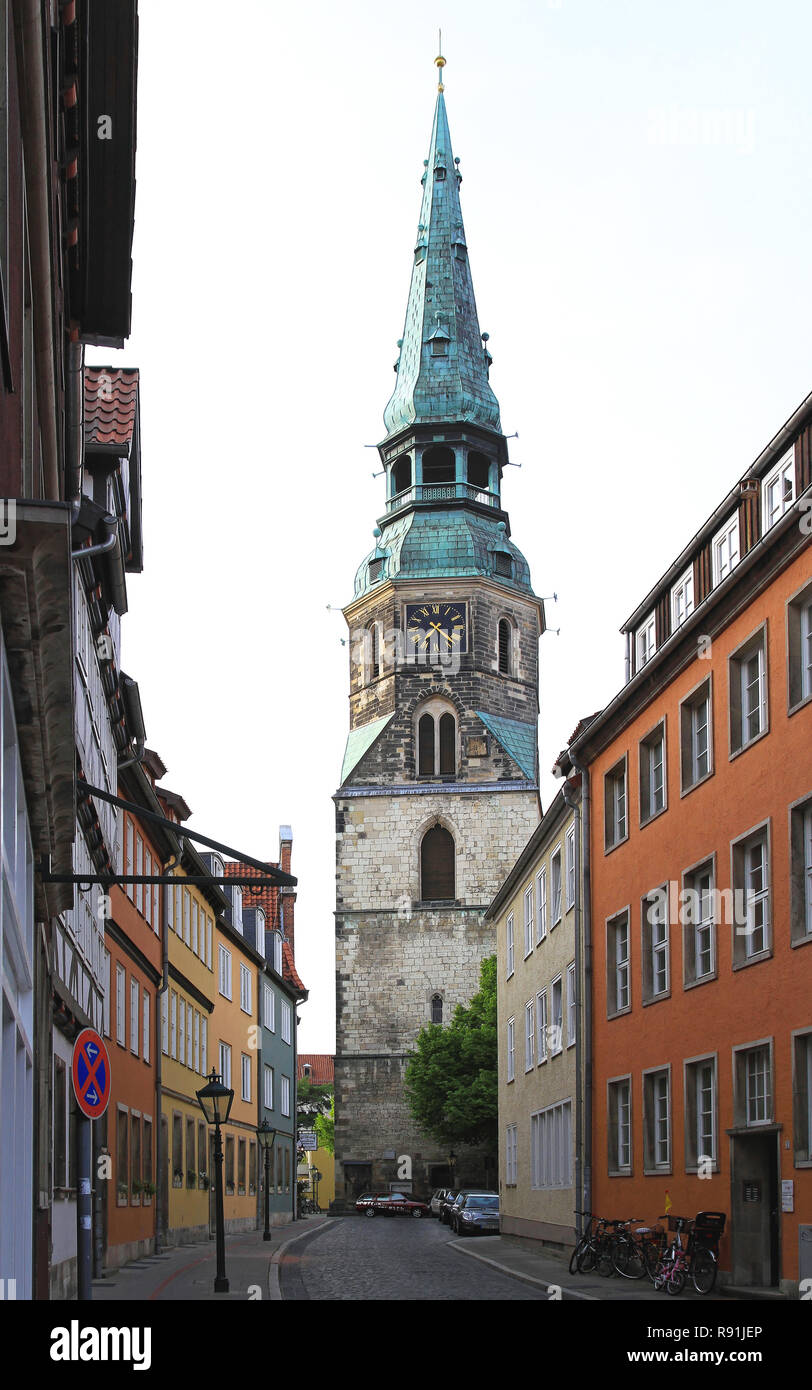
[[375, 570], [439, 172], [439, 340], [682, 600], [644, 643], [502, 564], [236, 908], [778, 490]]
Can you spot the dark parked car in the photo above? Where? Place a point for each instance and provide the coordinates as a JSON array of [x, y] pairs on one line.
[[477, 1213], [395, 1204]]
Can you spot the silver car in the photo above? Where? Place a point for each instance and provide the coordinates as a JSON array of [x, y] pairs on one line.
[[477, 1213]]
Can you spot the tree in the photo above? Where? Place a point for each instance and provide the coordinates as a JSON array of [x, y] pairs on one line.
[[325, 1129], [451, 1079]]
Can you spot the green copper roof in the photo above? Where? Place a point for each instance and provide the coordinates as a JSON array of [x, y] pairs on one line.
[[360, 741], [443, 366], [517, 739], [435, 543]]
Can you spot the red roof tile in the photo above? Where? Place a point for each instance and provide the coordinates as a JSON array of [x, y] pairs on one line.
[[268, 899], [111, 400], [322, 1067]]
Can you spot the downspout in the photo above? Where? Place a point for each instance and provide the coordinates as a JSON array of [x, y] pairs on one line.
[[585, 897], [574, 804], [75, 440], [34, 103], [159, 1053]]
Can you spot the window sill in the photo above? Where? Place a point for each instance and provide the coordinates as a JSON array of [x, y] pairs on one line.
[[692, 786], [621, 1173], [702, 980], [662, 1172], [655, 815], [801, 941], [758, 956], [793, 709], [693, 1167], [609, 849], [737, 752], [802, 1163], [656, 998], [619, 1013]]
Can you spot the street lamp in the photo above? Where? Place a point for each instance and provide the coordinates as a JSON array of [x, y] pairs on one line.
[[215, 1102], [266, 1134]]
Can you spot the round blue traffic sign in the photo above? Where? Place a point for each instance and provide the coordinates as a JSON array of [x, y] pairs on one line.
[[91, 1074]]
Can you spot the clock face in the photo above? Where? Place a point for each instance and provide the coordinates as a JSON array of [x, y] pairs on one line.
[[443, 623]]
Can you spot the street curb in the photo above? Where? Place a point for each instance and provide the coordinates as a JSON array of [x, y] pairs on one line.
[[523, 1278], [274, 1288]]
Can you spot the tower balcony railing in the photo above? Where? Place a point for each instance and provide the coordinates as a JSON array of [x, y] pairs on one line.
[[443, 492]]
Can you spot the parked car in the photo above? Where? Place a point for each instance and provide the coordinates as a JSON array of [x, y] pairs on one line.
[[448, 1204], [477, 1213], [437, 1198], [396, 1204], [362, 1202]]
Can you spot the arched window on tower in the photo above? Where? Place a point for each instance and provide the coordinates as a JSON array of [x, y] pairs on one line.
[[437, 877], [402, 474], [479, 470], [439, 465], [436, 752], [372, 653], [504, 647], [436, 1008]]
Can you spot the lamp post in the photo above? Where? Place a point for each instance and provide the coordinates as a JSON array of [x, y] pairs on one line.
[[267, 1134], [215, 1101]]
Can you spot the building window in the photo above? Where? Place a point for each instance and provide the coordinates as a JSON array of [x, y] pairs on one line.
[[60, 1123], [799, 648], [504, 635], [802, 1095], [268, 1009], [121, 1015], [511, 1156], [285, 1097], [135, 1159], [699, 924], [267, 1093], [652, 774], [569, 842], [177, 1149], [614, 802], [555, 879], [618, 993], [173, 1025], [557, 1017], [800, 877], [437, 741], [145, 1033], [528, 920], [778, 491], [437, 854], [165, 1022], [135, 1016], [202, 1158], [204, 1042], [529, 1036], [551, 1146], [656, 973], [511, 1050], [241, 1147], [619, 1127], [436, 1008], [245, 1063], [146, 1158], [285, 1020], [541, 1026], [106, 977], [139, 869], [752, 1084], [571, 1005], [657, 1121], [122, 1157], [372, 649], [246, 991], [402, 474], [182, 1031], [197, 1042], [696, 736], [682, 600], [541, 905], [225, 973], [228, 1173], [225, 1064], [748, 692], [725, 550], [700, 1115], [751, 886], [645, 643]]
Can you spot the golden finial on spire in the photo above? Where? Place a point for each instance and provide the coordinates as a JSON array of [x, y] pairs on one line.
[[440, 64]]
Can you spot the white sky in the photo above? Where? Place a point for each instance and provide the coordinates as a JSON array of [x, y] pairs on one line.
[[637, 195]]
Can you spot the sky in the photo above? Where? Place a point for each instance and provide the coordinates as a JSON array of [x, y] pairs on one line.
[[637, 197]]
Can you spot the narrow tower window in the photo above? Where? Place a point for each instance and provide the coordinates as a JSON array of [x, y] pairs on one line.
[[479, 469], [436, 1008], [448, 732], [504, 646], [425, 740], [436, 741], [439, 465], [373, 651], [437, 865], [402, 474]]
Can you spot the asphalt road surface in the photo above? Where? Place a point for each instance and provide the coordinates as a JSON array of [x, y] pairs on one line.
[[394, 1258]]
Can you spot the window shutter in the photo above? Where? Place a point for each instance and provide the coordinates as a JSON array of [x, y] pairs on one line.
[[447, 741], [425, 751]]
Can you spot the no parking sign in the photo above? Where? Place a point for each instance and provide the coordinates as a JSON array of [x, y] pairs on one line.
[[91, 1074]]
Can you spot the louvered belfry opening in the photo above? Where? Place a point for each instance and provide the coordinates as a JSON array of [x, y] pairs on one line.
[[437, 865], [425, 746], [448, 732], [504, 646], [478, 470], [439, 465]]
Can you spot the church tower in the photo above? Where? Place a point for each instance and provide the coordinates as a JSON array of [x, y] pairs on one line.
[[439, 786]]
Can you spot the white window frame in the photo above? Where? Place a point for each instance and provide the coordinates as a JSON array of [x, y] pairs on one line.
[[619, 963], [268, 1009], [645, 642], [246, 992], [267, 1086], [657, 1119], [619, 1102], [700, 926], [245, 1076], [726, 549], [511, 1049], [752, 693], [556, 1015], [529, 1036], [173, 1025], [528, 921], [511, 1156], [285, 1021], [165, 1022], [758, 1087], [556, 887], [284, 1102], [682, 599], [509, 950], [541, 1026], [541, 905], [225, 1064], [776, 497], [224, 982], [135, 1015], [551, 1147], [569, 843], [572, 1005], [146, 1021], [121, 1005], [616, 805], [182, 1030]]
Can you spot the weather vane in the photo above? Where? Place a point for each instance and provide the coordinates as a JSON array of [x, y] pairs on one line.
[[440, 63]]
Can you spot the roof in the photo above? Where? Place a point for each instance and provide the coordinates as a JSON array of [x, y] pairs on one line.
[[111, 405], [359, 742], [517, 739], [322, 1067], [444, 542], [452, 384], [268, 899]]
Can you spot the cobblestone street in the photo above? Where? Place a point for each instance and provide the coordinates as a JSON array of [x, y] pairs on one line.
[[391, 1258]]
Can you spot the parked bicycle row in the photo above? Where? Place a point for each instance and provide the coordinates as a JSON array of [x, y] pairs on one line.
[[613, 1247]]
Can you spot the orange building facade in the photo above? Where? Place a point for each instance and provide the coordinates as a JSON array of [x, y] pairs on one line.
[[700, 866]]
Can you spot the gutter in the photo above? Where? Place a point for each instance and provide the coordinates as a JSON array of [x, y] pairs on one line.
[[34, 103]]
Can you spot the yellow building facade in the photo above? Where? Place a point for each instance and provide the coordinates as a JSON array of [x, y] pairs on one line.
[[236, 1052]]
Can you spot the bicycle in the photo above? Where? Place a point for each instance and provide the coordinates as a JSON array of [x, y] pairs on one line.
[[673, 1268], [582, 1244]]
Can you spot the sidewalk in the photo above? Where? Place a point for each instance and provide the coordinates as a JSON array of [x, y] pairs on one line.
[[187, 1271]]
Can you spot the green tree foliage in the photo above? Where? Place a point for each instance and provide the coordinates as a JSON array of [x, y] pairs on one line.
[[325, 1128], [451, 1079]]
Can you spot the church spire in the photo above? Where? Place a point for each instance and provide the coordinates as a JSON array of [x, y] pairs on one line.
[[444, 361]]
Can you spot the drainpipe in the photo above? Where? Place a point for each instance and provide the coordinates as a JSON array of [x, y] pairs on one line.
[[34, 103], [104, 546], [159, 1054], [574, 803], [75, 434], [582, 823]]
